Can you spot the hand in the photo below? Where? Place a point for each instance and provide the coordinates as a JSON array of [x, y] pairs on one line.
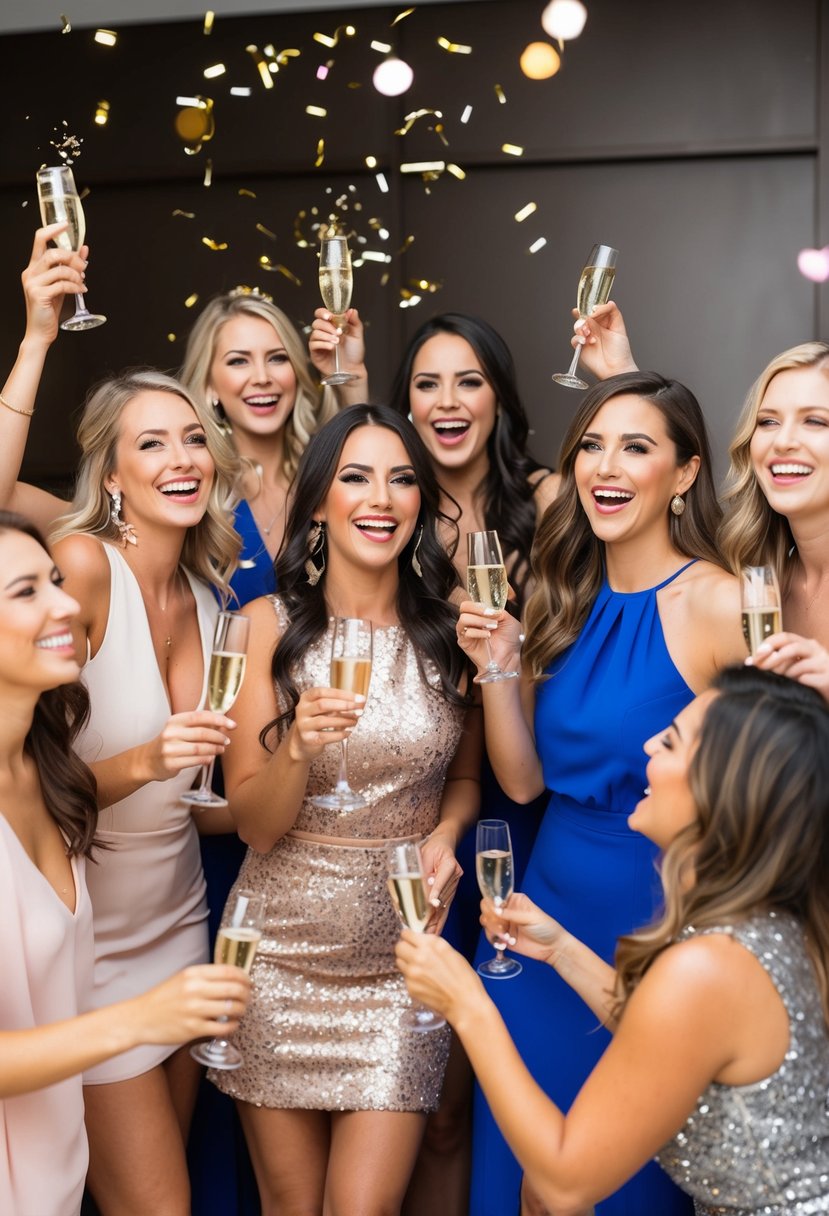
[[322, 716], [521, 925], [442, 873], [187, 739], [199, 1002], [437, 975], [605, 348], [325, 335], [476, 624], [799, 658], [51, 275]]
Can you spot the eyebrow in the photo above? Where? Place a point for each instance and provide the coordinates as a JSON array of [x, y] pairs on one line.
[[28, 578], [366, 468], [625, 438], [800, 409], [470, 371], [193, 426], [237, 350]]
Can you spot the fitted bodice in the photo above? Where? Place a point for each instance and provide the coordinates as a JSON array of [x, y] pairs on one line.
[[254, 576], [613, 688], [763, 1149]]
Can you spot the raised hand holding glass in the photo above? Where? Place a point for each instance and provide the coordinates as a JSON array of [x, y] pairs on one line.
[[60, 203], [594, 288]]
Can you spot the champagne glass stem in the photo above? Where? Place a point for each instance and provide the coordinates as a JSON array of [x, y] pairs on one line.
[[342, 775], [571, 370], [491, 664], [207, 776], [337, 359]]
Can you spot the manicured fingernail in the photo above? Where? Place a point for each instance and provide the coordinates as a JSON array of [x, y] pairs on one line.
[[490, 611], [359, 697], [764, 648], [356, 712], [749, 662]]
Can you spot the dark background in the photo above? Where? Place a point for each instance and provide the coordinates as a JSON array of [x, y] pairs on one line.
[[690, 135]]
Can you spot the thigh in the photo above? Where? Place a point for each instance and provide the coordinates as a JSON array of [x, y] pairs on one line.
[[182, 1074], [136, 1149], [372, 1157], [289, 1151]]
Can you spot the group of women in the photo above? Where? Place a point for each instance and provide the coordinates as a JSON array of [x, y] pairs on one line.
[[244, 479]]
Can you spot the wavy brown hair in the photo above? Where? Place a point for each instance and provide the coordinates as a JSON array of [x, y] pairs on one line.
[[68, 786], [752, 533], [567, 558], [760, 782]]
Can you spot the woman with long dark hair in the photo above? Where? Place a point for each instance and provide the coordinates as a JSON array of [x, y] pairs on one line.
[[719, 1064], [333, 1091]]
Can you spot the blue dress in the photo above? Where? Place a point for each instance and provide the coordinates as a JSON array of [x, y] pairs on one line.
[[610, 691]]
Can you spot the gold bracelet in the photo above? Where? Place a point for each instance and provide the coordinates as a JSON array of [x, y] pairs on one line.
[[14, 408]]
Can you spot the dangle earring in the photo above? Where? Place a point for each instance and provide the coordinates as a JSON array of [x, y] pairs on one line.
[[677, 504], [126, 531], [416, 566], [221, 417], [316, 543]]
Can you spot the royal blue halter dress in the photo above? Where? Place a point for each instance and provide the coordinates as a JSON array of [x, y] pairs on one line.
[[608, 693]]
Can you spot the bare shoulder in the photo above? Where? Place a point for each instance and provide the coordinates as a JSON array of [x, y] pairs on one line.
[[714, 591], [693, 981], [81, 557], [546, 486]]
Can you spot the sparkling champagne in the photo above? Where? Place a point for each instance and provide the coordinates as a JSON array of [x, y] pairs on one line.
[[487, 585], [335, 287], [759, 624], [494, 870], [594, 288], [237, 946], [63, 208], [409, 898], [224, 680], [351, 675]]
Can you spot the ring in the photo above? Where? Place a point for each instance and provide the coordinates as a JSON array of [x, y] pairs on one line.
[[464, 630]]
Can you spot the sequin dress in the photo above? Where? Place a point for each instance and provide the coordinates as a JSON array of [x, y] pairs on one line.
[[763, 1149], [322, 1031]]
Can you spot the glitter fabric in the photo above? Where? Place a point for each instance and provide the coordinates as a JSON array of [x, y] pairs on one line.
[[763, 1149], [322, 1030]]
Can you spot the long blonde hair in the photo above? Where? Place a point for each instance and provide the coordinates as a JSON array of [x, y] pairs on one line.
[[211, 547], [760, 783], [752, 533], [313, 406]]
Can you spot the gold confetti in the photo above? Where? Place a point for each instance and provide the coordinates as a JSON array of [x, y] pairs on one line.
[[440, 134], [208, 174], [171, 337], [192, 299], [316, 111], [265, 262], [185, 215], [216, 246], [383, 47], [454, 48], [371, 162], [407, 12], [512, 149], [243, 193], [209, 18], [218, 69], [406, 244], [521, 215], [266, 231], [240, 90], [380, 178], [354, 84], [332, 39], [456, 171], [320, 153], [539, 244], [411, 119], [195, 124], [106, 37], [289, 274], [67, 24], [102, 114], [261, 65], [467, 114], [423, 166], [372, 255], [500, 94]]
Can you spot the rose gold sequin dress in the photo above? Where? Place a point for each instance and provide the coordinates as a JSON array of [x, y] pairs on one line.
[[322, 1031]]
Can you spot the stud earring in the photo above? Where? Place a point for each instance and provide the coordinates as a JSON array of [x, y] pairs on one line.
[[125, 530], [677, 504], [316, 543]]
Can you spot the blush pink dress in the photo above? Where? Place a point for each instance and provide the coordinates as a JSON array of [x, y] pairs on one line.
[[47, 973], [147, 889]]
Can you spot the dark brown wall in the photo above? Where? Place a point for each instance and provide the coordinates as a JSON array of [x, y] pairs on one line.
[[691, 136]]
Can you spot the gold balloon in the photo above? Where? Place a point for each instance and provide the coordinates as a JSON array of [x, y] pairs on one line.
[[540, 61]]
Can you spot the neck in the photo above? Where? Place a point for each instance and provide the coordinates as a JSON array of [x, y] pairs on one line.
[[366, 594], [267, 451], [811, 538], [636, 565], [17, 707], [463, 483], [155, 559]]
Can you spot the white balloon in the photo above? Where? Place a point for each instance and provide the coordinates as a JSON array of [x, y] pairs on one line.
[[564, 18], [392, 77]]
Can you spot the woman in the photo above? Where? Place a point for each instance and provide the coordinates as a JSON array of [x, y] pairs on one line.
[[631, 616], [143, 547], [47, 834], [333, 1092], [720, 1060]]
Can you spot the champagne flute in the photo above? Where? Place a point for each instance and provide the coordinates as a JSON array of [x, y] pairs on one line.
[[407, 888], [236, 943], [336, 283], [494, 868], [59, 202], [594, 288], [227, 668], [761, 604], [351, 645], [486, 582]]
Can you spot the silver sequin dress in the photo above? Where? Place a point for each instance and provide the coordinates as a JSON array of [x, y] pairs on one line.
[[322, 1031], [763, 1149]]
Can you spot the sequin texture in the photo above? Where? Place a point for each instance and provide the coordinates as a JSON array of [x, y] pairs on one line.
[[763, 1149], [322, 1030]]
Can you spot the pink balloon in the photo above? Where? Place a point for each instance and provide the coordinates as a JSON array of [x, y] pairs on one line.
[[814, 264]]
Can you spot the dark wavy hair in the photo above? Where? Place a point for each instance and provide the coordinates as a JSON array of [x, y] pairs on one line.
[[67, 784], [509, 505], [422, 602]]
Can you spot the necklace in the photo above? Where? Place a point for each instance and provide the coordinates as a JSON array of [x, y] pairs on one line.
[[168, 638], [265, 529]]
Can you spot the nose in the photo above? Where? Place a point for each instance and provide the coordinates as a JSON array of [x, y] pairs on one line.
[[64, 607], [446, 395], [261, 371], [607, 463], [380, 495], [785, 435], [650, 745]]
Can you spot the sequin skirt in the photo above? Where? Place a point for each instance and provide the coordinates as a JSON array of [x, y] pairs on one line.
[[322, 1031]]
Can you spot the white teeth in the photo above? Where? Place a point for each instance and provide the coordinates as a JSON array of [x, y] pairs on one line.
[[57, 641], [261, 400], [180, 487], [451, 426], [380, 525], [782, 469], [612, 494]]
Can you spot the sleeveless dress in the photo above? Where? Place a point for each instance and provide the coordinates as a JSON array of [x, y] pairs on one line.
[[322, 1031], [613, 688], [47, 973], [147, 888], [763, 1149]]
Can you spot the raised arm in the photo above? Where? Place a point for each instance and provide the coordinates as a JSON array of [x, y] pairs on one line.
[[605, 347], [50, 276], [351, 341]]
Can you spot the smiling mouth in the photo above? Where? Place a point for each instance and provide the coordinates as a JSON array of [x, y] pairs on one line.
[[58, 641], [451, 430], [790, 469], [263, 402], [180, 489], [376, 529], [611, 499]]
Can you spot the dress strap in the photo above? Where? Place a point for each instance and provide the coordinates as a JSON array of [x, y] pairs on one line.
[[675, 575]]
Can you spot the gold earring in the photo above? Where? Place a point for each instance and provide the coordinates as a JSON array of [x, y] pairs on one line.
[[316, 543], [677, 504]]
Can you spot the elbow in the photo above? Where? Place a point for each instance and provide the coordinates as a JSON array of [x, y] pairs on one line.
[[558, 1200], [257, 840]]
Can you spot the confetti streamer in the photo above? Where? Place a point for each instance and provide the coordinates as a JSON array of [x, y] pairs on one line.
[[106, 37], [407, 12], [500, 94], [512, 149], [320, 154], [525, 212], [215, 246], [209, 18], [332, 40], [266, 231], [454, 48], [243, 193], [539, 244], [67, 24], [411, 119], [316, 111]]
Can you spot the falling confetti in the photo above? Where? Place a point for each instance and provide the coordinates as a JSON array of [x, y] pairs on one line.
[[456, 171], [243, 193], [539, 244], [411, 119], [501, 95], [333, 39], [67, 24], [525, 212], [185, 215], [261, 65], [209, 18], [320, 154], [512, 149], [454, 48], [467, 114], [316, 111], [192, 299], [423, 166], [407, 12], [266, 231], [216, 246], [106, 37], [102, 114], [217, 69]]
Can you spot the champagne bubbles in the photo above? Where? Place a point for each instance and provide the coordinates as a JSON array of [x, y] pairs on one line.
[[392, 77], [564, 19]]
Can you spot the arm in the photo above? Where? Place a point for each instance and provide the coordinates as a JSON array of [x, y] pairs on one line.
[[324, 716], [508, 704], [351, 341], [605, 347], [191, 1005], [50, 276]]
